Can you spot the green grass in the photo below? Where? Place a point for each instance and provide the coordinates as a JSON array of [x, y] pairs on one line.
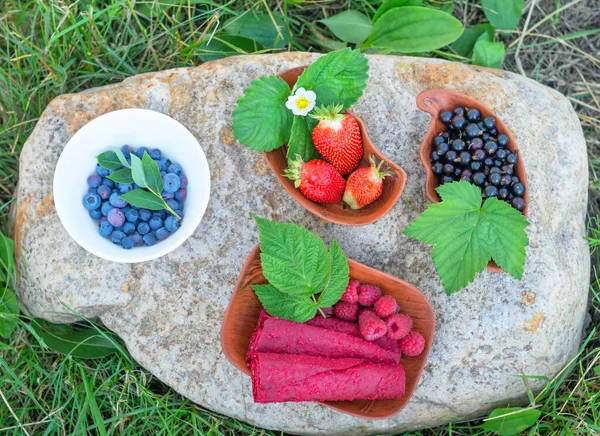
[[51, 47]]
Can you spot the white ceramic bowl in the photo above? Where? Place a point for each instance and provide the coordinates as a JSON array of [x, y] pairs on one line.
[[138, 128]]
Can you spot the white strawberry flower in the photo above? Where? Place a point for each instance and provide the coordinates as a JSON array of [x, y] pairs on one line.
[[302, 102]]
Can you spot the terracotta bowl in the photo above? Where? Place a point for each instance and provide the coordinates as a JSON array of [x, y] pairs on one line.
[[242, 312], [341, 213], [434, 101]]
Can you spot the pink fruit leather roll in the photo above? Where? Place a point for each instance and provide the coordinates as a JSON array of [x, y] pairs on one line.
[[274, 335], [288, 377]]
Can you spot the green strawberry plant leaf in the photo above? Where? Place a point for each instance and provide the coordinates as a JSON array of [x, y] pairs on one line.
[[391, 4], [261, 121], [488, 54], [510, 421], [463, 46], [122, 176], [503, 14], [349, 26], [270, 30], [301, 139], [109, 160], [285, 306], [412, 29], [467, 235]]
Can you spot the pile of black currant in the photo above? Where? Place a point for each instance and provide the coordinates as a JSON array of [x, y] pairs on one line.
[[472, 149]]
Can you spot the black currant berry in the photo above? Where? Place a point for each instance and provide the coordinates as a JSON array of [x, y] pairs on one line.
[[488, 162], [505, 180], [489, 122], [494, 169], [445, 135], [490, 191], [515, 179], [508, 169], [457, 172], [502, 140], [473, 115], [478, 178], [437, 168], [435, 156], [518, 189], [478, 155], [447, 179], [490, 147], [472, 130], [466, 175], [511, 159], [518, 203], [493, 131], [498, 162], [485, 136], [438, 140], [448, 169], [459, 110], [451, 156], [446, 116], [465, 158], [459, 122], [443, 148], [494, 178], [476, 144], [458, 145], [476, 166], [502, 193], [501, 154]]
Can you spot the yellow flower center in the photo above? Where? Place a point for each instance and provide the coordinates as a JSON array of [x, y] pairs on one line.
[[302, 103]]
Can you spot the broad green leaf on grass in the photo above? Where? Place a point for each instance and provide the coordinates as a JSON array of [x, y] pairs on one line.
[[143, 199], [137, 171], [327, 43], [463, 46], [122, 176], [109, 160], [510, 421], [339, 77], [447, 7], [261, 121], [350, 26], [467, 235], [7, 253], [152, 175], [338, 281], [86, 344], [223, 45], [270, 30], [503, 14], [276, 303], [294, 260], [414, 29], [301, 139], [121, 157], [9, 309], [488, 54], [391, 4]]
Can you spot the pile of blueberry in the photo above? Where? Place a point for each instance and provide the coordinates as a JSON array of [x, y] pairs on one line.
[[472, 149], [128, 225]]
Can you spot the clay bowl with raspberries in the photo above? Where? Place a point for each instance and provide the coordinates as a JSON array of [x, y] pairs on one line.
[[244, 308], [434, 101], [341, 213]]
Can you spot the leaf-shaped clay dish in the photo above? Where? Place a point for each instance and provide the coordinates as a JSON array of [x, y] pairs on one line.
[[341, 213], [434, 101]]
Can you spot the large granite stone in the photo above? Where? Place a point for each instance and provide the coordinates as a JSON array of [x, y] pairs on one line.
[[169, 311]]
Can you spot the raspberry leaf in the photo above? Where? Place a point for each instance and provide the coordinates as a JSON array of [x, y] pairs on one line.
[[338, 280], [122, 176], [301, 139], [152, 175], [277, 303], [109, 160], [137, 171]]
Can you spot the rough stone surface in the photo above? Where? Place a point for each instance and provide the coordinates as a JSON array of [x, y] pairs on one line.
[[169, 311]]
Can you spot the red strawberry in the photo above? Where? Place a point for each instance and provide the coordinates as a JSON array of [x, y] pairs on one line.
[[337, 138], [318, 181], [365, 185]]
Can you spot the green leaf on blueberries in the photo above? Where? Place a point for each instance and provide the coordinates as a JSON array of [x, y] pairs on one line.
[[488, 54], [301, 139], [137, 171], [152, 175], [121, 157], [391, 4], [260, 120], [122, 176], [511, 421], [350, 26], [339, 278], [468, 235], [109, 160], [144, 199], [285, 306]]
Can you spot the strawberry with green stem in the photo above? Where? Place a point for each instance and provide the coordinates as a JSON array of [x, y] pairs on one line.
[[365, 185], [318, 181]]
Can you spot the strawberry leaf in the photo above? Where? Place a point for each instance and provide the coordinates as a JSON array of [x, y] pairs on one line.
[[279, 304]]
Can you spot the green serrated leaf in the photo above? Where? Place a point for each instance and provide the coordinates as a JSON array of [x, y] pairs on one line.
[[152, 175], [413, 29], [9, 310], [261, 121], [137, 171], [121, 157], [510, 421], [463, 46], [270, 30], [86, 344], [488, 54], [276, 303], [301, 139], [350, 26], [109, 160], [339, 278], [294, 260], [223, 45], [339, 77], [391, 4], [503, 14], [122, 176], [144, 199]]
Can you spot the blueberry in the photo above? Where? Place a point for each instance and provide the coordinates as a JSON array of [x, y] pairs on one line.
[[128, 228], [106, 229], [162, 234], [91, 201], [167, 195], [104, 192], [173, 204], [155, 153], [494, 178], [163, 173], [106, 207], [95, 214], [511, 159], [160, 213], [473, 115], [171, 182], [161, 165], [116, 217], [94, 180], [172, 223], [478, 178], [132, 215], [518, 189], [108, 183], [116, 201], [93, 191], [489, 122], [140, 152], [127, 149], [472, 130], [502, 140], [437, 168], [490, 191], [184, 181], [127, 243], [143, 228], [174, 168], [103, 218], [124, 188], [155, 222], [164, 163], [149, 239], [102, 172], [458, 145], [145, 214], [137, 239], [446, 116], [181, 194], [117, 236], [518, 203]]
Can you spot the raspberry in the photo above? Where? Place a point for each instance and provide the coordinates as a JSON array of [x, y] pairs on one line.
[[368, 294], [351, 294], [386, 306], [398, 325], [371, 326], [345, 310], [412, 344]]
